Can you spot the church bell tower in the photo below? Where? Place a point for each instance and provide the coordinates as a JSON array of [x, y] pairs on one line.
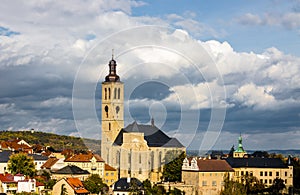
[[112, 109]]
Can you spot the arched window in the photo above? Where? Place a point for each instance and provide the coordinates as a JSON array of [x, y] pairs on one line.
[[106, 111], [117, 110], [108, 93], [119, 91], [109, 126], [115, 93], [105, 93], [159, 162]]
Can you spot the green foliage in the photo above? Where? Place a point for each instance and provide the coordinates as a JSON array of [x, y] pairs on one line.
[[277, 186], [95, 185], [296, 172], [149, 189], [135, 189], [21, 163], [176, 192], [172, 170], [233, 188], [253, 185]]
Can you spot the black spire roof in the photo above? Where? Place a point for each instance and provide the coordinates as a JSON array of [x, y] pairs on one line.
[[154, 136], [112, 76]]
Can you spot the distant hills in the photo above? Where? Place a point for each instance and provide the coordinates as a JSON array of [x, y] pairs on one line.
[[57, 142]]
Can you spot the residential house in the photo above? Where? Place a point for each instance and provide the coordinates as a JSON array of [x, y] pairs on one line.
[[4, 157], [71, 186], [124, 186], [90, 162], [53, 164], [39, 160], [207, 175], [110, 175], [12, 184], [17, 145], [70, 171]]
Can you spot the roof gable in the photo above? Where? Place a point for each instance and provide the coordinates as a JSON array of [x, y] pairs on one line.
[[72, 170], [77, 185], [154, 136]]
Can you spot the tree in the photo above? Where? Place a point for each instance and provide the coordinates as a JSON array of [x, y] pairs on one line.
[[149, 189], [172, 170], [95, 185], [277, 186], [21, 163], [233, 187], [252, 184]]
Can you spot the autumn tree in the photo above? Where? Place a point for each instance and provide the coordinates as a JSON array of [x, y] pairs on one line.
[[21, 163]]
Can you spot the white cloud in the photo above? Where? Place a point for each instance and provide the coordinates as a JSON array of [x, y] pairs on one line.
[[56, 102]]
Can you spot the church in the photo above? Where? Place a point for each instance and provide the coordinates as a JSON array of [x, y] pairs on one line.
[[137, 150]]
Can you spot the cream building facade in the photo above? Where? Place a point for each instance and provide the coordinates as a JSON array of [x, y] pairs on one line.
[[206, 175], [137, 150]]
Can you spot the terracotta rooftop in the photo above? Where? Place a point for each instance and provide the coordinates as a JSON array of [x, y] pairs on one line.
[[49, 163], [109, 168], [84, 158], [7, 178], [77, 185], [212, 165]]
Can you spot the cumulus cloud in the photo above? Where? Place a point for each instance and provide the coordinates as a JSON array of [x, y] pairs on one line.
[[39, 63]]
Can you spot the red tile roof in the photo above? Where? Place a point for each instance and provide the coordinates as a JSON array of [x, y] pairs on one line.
[[77, 185], [84, 158], [7, 178], [210, 165], [49, 163], [109, 168]]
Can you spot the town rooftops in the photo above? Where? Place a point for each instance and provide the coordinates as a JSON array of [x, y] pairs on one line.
[[124, 184], [154, 136], [109, 168], [256, 162], [77, 185], [7, 178], [49, 163], [206, 165], [72, 170], [84, 158]]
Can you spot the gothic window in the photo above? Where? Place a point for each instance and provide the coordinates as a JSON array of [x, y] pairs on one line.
[[129, 157], [106, 111], [109, 126], [119, 91], [117, 110], [140, 158], [152, 161], [159, 161], [108, 93], [115, 93], [105, 93]]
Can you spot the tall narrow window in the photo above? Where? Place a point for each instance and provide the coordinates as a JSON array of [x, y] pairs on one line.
[[105, 93], [109, 126], [115, 93], [108, 93], [159, 162], [119, 91], [140, 158], [106, 111]]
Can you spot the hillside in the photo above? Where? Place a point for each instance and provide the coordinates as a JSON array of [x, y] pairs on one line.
[[58, 142]]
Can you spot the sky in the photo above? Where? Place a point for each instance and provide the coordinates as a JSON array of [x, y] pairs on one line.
[[206, 71]]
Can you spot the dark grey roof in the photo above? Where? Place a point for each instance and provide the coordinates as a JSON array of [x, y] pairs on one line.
[[38, 157], [4, 156], [154, 136], [123, 184], [256, 162], [72, 170]]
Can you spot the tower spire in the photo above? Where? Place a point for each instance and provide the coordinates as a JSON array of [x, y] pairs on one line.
[[112, 76]]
